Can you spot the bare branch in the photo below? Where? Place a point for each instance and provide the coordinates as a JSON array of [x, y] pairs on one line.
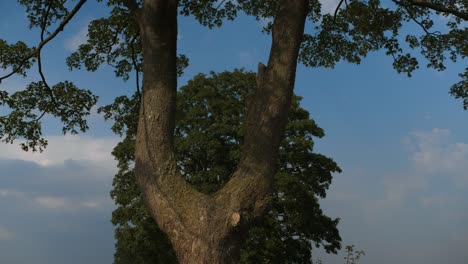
[[337, 8], [220, 4], [45, 18], [439, 8], [43, 42], [135, 65], [39, 117], [46, 85], [39, 61]]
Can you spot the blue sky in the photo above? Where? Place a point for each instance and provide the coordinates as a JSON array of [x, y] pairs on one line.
[[401, 142]]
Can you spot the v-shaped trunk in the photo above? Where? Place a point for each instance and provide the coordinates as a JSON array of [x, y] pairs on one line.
[[203, 228]]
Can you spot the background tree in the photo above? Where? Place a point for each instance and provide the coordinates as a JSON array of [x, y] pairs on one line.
[[209, 131], [208, 228], [353, 256]]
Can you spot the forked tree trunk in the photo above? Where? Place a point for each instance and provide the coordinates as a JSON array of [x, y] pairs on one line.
[[209, 228]]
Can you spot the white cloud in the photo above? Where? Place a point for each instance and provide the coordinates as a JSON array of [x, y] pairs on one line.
[[432, 154], [11, 193], [5, 234], [435, 151], [54, 202], [80, 37], [397, 189], [410, 207], [91, 204], [64, 203], [46, 207], [435, 201], [51, 202], [68, 147], [73, 173]]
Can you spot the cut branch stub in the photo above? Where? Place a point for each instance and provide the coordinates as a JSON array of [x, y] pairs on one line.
[[235, 219]]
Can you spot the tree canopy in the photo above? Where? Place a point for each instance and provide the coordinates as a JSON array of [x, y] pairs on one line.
[[356, 28], [209, 132]]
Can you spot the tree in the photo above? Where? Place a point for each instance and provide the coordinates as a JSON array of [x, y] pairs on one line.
[[141, 35], [208, 135]]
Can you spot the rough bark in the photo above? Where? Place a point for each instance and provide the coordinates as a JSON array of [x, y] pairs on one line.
[[209, 228]]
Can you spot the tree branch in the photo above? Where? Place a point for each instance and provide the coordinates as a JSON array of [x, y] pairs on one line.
[[413, 17], [165, 192], [39, 118], [336, 10], [439, 8], [135, 65], [220, 4], [39, 61], [248, 192], [43, 42]]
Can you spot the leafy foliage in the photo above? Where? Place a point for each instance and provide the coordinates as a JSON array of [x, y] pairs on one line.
[[11, 56], [460, 89], [55, 10], [361, 27], [209, 132], [68, 103], [356, 28]]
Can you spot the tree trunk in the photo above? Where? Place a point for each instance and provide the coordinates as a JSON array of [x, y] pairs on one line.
[[209, 228]]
